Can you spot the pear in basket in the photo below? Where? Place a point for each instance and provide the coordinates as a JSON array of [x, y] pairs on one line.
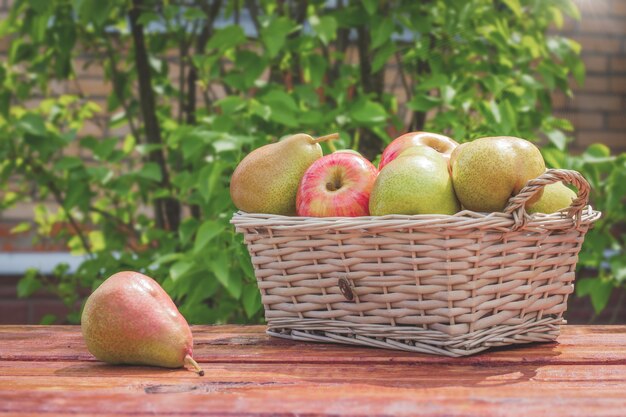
[[555, 197], [416, 182], [267, 179], [488, 171]]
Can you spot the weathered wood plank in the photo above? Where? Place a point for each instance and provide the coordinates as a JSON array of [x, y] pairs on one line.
[[47, 370], [96, 376], [369, 399], [239, 344]]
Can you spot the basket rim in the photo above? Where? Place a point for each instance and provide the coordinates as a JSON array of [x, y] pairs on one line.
[[465, 219]]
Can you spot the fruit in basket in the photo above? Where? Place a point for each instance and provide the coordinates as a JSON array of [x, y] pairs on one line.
[[352, 151], [129, 319], [416, 182], [442, 144], [338, 184], [488, 171], [267, 179], [555, 197]]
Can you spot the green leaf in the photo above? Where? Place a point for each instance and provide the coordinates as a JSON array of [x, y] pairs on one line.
[[275, 34], [382, 57], [371, 6], [326, 28], [368, 112], [554, 157], [233, 284], [381, 32], [40, 6], [251, 300], [33, 124], [226, 38], [187, 229], [315, 67], [252, 66], [28, 284], [579, 72], [557, 17], [570, 8], [209, 230], [96, 240], [209, 178], [282, 112], [515, 7], [179, 269], [509, 117], [598, 289], [67, 163], [495, 111], [557, 138], [423, 102], [48, 319], [150, 171], [598, 150], [618, 268], [433, 81], [94, 11], [21, 228], [280, 98], [78, 194], [231, 104]]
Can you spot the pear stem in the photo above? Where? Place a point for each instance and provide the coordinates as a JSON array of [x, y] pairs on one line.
[[325, 138], [191, 362]]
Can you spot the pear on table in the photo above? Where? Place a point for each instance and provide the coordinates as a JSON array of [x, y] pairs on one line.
[[131, 320], [267, 179]]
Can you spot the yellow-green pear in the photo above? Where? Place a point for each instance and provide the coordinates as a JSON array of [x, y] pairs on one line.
[[130, 319], [416, 182], [267, 179], [488, 171], [555, 197]]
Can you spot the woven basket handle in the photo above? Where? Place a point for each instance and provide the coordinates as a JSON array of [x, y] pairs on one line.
[[517, 203]]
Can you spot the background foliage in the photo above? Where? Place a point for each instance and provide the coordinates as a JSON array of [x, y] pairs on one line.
[[200, 84]]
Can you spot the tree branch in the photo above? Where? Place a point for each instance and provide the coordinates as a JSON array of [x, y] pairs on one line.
[[167, 209], [254, 13], [192, 78], [58, 197], [119, 91]]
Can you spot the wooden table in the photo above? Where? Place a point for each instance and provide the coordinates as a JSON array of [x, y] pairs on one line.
[[47, 370]]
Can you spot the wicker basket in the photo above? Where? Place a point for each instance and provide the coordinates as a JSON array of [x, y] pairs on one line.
[[448, 285]]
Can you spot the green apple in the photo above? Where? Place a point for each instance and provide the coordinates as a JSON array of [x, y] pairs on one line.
[[488, 171], [416, 182], [555, 197]]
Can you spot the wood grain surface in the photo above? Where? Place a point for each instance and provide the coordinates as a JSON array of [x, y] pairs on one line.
[[46, 370]]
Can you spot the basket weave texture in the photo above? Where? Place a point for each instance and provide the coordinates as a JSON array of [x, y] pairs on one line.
[[448, 285]]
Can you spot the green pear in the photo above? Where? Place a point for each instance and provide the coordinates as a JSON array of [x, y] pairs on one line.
[[555, 197], [416, 182], [488, 171], [267, 179], [129, 319]]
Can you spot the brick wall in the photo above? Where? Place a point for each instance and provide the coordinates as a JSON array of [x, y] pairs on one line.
[[598, 108], [30, 310], [598, 112]]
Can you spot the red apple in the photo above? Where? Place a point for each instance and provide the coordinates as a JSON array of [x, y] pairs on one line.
[[442, 144], [335, 185]]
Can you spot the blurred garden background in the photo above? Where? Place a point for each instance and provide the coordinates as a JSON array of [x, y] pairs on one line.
[[121, 122]]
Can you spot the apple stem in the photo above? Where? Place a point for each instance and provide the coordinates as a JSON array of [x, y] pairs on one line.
[[332, 136], [191, 362]]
